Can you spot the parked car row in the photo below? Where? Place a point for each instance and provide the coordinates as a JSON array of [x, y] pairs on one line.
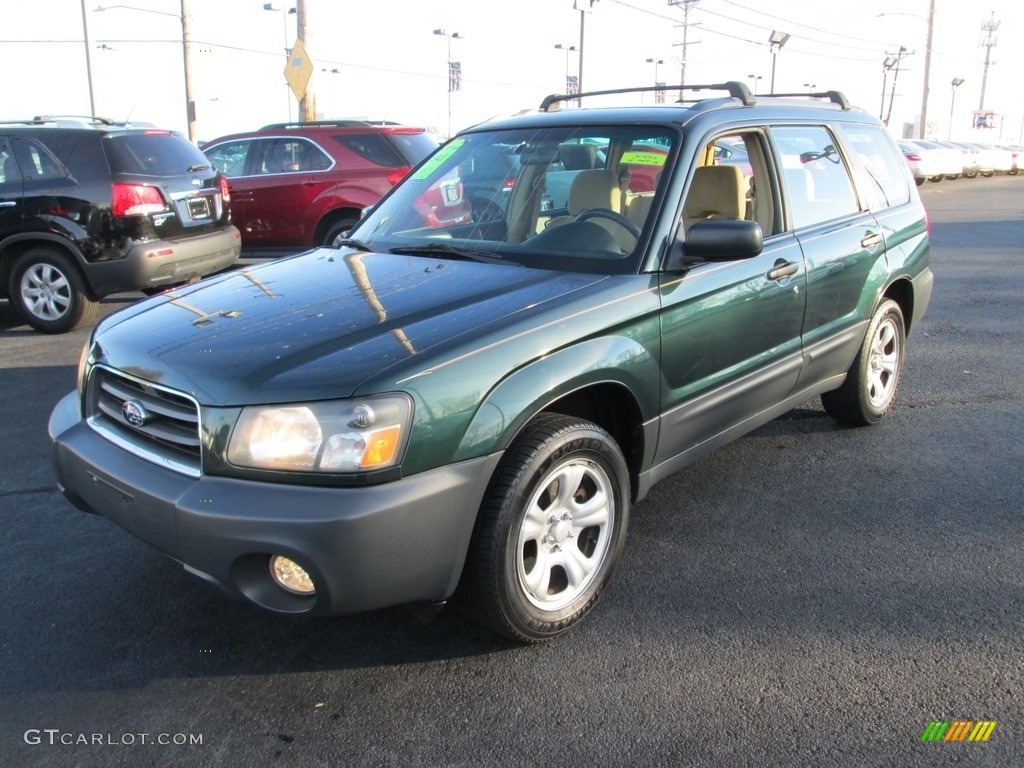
[[938, 160]]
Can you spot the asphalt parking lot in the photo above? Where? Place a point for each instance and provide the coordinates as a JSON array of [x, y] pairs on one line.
[[808, 595]]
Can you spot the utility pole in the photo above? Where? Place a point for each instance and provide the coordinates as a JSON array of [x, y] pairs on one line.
[[895, 76], [307, 107], [923, 127], [186, 57], [687, 5], [990, 28]]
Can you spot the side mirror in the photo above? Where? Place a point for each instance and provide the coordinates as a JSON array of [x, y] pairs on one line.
[[716, 240]]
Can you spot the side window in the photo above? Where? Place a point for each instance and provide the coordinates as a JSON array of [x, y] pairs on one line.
[[230, 158], [882, 164], [732, 182], [35, 162], [291, 155], [8, 167], [816, 179]]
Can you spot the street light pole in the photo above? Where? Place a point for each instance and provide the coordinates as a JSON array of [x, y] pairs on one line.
[[568, 49], [452, 36], [287, 50], [659, 96], [956, 83], [775, 41]]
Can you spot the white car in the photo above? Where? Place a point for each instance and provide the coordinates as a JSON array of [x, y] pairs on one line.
[[924, 164]]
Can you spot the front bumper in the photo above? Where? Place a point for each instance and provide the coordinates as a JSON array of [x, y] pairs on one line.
[[365, 548]]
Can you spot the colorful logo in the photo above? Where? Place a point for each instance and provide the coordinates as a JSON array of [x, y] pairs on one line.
[[958, 730]]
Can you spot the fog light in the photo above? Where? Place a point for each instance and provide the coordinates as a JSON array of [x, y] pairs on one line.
[[291, 576]]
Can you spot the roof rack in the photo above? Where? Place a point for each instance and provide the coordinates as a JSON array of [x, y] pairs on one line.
[[343, 123], [836, 97], [734, 88], [88, 118]]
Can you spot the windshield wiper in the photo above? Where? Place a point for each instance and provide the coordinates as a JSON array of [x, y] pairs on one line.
[[359, 245], [443, 249]]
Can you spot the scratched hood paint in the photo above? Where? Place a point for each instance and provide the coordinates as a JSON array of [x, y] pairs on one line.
[[320, 324]]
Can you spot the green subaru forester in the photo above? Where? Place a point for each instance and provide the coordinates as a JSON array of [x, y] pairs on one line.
[[468, 409]]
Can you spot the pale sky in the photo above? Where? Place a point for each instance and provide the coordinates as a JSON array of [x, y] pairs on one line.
[[391, 66]]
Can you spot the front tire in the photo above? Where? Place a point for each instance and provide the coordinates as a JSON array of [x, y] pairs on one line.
[[337, 231], [550, 531], [874, 378], [49, 293]]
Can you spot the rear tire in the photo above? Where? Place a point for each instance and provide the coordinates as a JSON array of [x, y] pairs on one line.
[[48, 291], [550, 531], [874, 378]]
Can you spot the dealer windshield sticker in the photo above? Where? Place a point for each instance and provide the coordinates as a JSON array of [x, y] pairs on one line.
[[438, 158], [644, 158]]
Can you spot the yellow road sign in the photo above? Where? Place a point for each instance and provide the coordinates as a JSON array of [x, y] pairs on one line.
[[298, 70]]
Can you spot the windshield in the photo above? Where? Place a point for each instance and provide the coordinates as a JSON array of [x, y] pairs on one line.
[[570, 198]]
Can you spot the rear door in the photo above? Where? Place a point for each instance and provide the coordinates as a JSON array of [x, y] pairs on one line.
[[843, 246], [10, 190]]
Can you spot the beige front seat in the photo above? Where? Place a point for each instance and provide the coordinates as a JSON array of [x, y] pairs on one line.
[[717, 192], [596, 188]]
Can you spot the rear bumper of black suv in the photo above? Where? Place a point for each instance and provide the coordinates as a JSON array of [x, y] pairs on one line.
[[157, 263]]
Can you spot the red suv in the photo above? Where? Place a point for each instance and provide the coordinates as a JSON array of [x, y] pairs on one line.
[[299, 185]]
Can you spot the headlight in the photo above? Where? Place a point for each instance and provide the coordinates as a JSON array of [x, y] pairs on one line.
[[84, 366], [330, 436]]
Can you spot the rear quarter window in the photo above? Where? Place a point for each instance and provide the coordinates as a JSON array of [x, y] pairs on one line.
[[35, 162], [152, 154], [390, 150], [882, 163]]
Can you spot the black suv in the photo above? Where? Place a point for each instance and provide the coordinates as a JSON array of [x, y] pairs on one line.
[[89, 208], [471, 410]]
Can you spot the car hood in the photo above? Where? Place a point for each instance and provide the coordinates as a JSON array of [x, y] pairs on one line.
[[319, 325]]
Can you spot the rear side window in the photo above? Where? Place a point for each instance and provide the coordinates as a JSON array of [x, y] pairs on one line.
[[152, 154], [35, 162], [883, 165], [8, 167], [391, 150], [817, 181], [229, 158], [291, 155]]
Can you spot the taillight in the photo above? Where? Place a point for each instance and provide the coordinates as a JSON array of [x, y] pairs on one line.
[[510, 182], [396, 176], [915, 158], [225, 190], [136, 199]]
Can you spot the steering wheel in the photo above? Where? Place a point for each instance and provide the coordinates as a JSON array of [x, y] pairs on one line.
[[605, 213]]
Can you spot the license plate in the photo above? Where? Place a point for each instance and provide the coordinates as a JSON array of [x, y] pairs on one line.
[[198, 208], [450, 193]]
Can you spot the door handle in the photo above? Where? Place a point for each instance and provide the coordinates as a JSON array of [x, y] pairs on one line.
[[870, 240], [783, 269]]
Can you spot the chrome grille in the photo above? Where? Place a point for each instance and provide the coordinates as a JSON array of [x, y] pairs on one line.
[[167, 432]]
